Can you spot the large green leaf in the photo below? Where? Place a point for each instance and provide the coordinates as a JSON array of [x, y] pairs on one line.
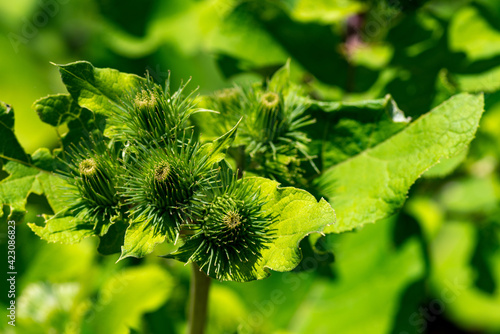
[[373, 184], [98, 89], [9, 145]]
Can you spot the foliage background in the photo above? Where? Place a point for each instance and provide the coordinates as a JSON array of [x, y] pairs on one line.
[[433, 268]]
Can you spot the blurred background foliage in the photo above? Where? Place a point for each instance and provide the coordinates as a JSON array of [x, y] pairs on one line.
[[433, 268]]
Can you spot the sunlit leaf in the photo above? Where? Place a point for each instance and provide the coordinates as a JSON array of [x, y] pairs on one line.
[[467, 24], [100, 90], [140, 240], [373, 184]]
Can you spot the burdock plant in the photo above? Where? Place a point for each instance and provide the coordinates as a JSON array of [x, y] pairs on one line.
[[143, 164], [149, 175]]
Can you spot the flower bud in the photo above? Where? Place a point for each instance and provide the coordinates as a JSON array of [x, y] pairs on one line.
[[234, 229], [160, 184], [92, 193], [270, 100]]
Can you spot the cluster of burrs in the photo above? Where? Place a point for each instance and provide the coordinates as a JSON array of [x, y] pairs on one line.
[[150, 168], [272, 139]]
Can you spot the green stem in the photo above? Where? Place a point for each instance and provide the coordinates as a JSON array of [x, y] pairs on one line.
[[200, 285]]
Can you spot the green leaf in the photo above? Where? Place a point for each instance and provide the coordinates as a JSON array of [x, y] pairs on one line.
[[24, 180], [67, 230], [487, 81], [56, 109], [326, 11], [299, 214], [125, 297], [280, 81], [9, 145], [43, 159], [140, 240], [15, 189], [465, 27], [373, 184], [98, 89], [216, 150], [62, 108], [34, 178]]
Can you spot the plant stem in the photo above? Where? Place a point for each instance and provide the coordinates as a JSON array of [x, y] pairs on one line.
[[200, 285]]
